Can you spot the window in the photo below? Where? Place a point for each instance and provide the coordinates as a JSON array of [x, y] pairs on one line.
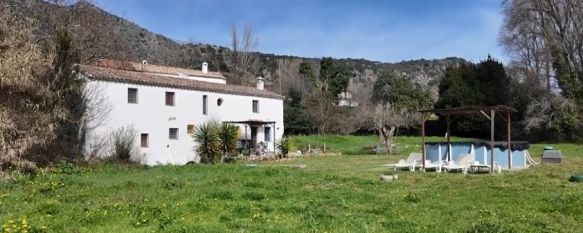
[[144, 142], [219, 101], [190, 129], [169, 98], [256, 106], [132, 95], [173, 134], [267, 134], [204, 104]]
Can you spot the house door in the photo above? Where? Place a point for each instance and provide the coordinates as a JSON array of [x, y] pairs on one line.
[[254, 135]]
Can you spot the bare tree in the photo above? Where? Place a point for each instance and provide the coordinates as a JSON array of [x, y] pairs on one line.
[[288, 76], [545, 34], [320, 107], [386, 119], [242, 60], [26, 116]]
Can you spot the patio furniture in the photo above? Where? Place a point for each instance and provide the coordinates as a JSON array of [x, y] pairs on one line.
[[461, 164], [409, 163], [429, 165]]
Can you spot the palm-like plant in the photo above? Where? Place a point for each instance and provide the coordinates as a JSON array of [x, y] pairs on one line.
[[228, 135], [283, 147], [208, 144]]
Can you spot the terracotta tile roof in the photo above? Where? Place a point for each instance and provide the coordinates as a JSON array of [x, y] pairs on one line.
[[136, 77], [132, 66]]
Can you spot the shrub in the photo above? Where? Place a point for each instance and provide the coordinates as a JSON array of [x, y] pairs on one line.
[[228, 136], [124, 145], [283, 147], [208, 145], [66, 167]]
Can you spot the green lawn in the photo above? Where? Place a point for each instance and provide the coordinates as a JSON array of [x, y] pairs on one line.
[[340, 193], [358, 145]]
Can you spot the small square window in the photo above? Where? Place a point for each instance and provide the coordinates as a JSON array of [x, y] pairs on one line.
[[169, 98], [190, 129], [132, 95], [256, 106], [173, 133], [144, 140]]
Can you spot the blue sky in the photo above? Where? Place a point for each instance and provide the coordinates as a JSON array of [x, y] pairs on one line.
[[388, 31]]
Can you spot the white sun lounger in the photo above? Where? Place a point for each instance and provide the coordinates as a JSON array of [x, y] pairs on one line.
[[429, 165], [409, 163], [461, 164]]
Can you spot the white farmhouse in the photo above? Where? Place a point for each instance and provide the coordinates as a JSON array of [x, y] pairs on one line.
[[164, 104]]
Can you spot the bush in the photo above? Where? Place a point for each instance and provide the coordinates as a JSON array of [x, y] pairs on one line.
[[283, 147], [208, 146], [228, 136], [216, 140], [124, 148]]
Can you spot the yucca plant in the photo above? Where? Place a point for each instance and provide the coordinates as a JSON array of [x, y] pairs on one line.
[[283, 147], [228, 135], [208, 145]]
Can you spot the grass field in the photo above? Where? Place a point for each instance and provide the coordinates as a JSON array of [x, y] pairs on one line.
[[339, 193], [358, 145]]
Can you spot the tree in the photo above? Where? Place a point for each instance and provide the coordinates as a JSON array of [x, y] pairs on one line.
[[544, 39], [457, 87], [296, 119], [307, 74], [26, 114], [242, 59], [208, 142], [387, 118], [482, 84], [320, 108], [334, 77], [394, 104], [399, 92], [68, 89], [228, 136]]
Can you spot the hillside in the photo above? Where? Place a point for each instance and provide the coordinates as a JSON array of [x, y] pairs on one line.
[[100, 34]]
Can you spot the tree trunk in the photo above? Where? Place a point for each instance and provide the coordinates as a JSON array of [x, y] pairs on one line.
[[390, 139]]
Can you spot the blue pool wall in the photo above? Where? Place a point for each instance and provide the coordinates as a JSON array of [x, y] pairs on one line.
[[438, 151]]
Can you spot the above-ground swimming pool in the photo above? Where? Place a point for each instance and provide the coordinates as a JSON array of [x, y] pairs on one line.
[[520, 157]]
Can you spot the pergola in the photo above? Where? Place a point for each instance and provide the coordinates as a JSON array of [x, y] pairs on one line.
[[451, 114], [248, 123]]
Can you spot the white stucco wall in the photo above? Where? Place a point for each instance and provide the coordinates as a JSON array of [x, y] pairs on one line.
[[151, 115]]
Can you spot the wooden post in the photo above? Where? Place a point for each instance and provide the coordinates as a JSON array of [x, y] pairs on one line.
[[424, 116], [509, 131], [274, 141], [246, 143], [448, 124], [492, 116]]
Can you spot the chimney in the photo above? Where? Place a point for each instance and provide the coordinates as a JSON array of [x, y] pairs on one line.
[[205, 68], [260, 84]]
